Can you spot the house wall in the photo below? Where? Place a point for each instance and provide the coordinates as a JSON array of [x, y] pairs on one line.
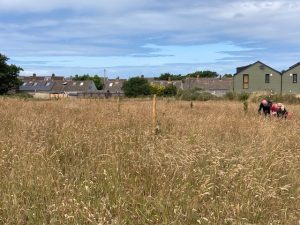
[[288, 87], [257, 83]]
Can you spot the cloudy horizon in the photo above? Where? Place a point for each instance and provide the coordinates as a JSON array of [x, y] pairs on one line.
[[131, 37]]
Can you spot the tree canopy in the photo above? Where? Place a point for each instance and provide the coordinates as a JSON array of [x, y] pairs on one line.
[[201, 74], [167, 76], [136, 86], [206, 74], [97, 80], [8, 75]]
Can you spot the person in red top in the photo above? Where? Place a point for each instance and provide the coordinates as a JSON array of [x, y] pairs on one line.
[[274, 109]]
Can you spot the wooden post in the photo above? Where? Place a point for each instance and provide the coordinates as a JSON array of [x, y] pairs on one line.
[[154, 114], [119, 106]]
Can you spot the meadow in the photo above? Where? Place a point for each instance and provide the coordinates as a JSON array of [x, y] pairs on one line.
[[80, 162]]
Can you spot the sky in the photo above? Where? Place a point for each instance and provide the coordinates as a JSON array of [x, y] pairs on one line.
[[129, 38]]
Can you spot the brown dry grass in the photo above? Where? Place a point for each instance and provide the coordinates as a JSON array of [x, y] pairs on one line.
[[78, 162]]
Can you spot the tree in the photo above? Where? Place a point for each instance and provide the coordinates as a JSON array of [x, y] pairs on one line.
[[8, 75], [97, 80], [227, 75], [136, 86], [167, 76], [206, 73]]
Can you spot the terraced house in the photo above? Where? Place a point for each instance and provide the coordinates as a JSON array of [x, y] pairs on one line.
[[290, 80], [257, 77]]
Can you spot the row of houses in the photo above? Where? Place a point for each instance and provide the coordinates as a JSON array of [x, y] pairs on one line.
[[256, 77], [259, 77], [43, 86]]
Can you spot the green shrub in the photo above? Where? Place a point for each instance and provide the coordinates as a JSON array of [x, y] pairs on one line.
[[243, 96]]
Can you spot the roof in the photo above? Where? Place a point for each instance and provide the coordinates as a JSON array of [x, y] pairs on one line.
[[208, 83], [292, 67], [73, 86], [41, 78], [243, 68], [113, 85], [37, 86]]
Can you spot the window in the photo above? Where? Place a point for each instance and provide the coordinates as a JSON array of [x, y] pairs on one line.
[[25, 84], [110, 84], [47, 84], [246, 81], [295, 78], [35, 84], [267, 78], [81, 84]]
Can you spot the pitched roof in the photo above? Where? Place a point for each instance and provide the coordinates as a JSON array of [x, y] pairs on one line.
[[73, 86], [292, 67], [37, 86], [242, 68], [113, 85], [41, 78], [208, 83]]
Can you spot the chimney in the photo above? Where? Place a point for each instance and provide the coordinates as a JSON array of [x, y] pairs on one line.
[[118, 78], [33, 77], [52, 76]]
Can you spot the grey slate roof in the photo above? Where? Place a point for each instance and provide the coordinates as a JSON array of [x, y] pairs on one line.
[[114, 85], [37, 86], [73, 86]]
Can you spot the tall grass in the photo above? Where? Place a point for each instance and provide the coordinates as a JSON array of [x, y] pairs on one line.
[[79, 162]]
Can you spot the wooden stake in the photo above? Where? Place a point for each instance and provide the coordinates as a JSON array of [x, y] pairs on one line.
[[154, 114], [119, 106]]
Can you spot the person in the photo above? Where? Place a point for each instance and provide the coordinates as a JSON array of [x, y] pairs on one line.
[[282, 111], [274, 109], [265, 107]]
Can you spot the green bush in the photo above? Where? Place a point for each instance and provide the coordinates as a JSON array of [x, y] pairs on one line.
[[136, 86], [243, 96]]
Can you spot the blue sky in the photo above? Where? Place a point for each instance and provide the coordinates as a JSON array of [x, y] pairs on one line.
[[134, 37]]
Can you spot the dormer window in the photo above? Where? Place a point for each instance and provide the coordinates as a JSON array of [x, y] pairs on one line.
[[35, 84], [81, 84]]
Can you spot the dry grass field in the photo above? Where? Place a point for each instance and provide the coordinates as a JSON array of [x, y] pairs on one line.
[[79, 162]]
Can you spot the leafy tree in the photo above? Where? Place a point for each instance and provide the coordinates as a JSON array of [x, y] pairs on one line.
[[97, 80], [206, 73], [136, 86], [167, 76], [8, 75], [227, 75]]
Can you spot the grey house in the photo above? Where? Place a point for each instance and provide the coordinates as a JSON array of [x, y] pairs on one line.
[[290, 80], [257, 77]]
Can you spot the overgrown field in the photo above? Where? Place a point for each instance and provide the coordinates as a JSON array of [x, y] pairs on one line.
[[79, 162]]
